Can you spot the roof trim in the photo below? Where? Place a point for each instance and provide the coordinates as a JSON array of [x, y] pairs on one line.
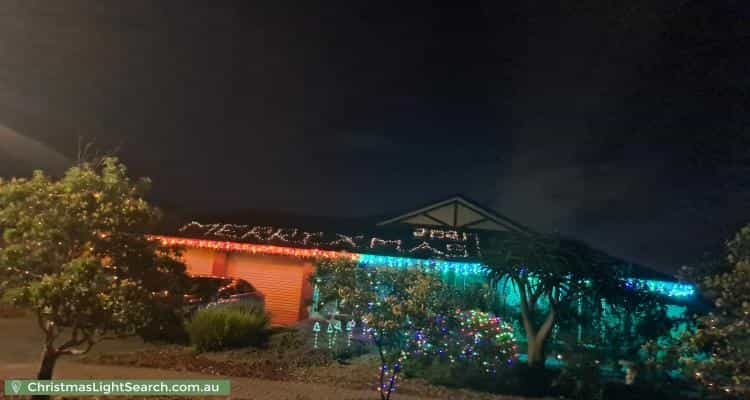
[[671, 289]]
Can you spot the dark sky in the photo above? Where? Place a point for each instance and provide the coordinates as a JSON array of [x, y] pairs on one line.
[[626, 124]]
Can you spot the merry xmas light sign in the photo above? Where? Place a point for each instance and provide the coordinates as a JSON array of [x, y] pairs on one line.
[[419, 242]]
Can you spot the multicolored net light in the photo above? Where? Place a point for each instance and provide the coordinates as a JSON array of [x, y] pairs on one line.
[[467, 339], [671, 289]]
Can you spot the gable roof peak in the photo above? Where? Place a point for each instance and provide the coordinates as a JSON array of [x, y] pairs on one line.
[[457, 212]]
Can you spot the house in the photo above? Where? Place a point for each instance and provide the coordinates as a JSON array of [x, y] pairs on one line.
[[277, 256]]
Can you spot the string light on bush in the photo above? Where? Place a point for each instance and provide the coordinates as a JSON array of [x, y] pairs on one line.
[[468, 338]]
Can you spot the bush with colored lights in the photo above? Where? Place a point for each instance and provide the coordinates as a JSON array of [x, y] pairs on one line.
[[392, 307], [462, 342]]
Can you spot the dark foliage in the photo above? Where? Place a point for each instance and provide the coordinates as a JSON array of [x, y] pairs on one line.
[[519, 380], [226, 327], [166, 325]]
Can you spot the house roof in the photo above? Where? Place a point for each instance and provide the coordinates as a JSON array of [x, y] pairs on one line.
[[454, 229]]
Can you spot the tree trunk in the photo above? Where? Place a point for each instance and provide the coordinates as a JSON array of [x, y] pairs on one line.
[[49, 357], [536, 339], [535, 350]]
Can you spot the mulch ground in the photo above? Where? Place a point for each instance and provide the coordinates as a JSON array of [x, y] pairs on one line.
[[286, 369], [226, 364], [317, 368]]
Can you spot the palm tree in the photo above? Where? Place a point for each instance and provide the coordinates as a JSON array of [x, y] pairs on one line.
[[552, 270]]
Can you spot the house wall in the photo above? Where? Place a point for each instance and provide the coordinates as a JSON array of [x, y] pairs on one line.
[[198, 261], [283, 281]]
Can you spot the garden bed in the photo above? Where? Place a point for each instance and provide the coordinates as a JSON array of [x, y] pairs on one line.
[[288, 357], [11, 311]]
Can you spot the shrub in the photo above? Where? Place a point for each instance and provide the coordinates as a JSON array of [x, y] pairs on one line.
[[166, 325], [465, 345], [581, 377], [516, 380], [230, 326]]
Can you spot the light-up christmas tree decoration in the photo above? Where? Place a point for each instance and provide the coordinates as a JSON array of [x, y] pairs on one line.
[[329, 331], [316, 330], [336, 329], [349, 331]]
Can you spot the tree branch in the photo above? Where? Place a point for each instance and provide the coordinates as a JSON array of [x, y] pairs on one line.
[[49, 329], [536, 294], [379, 345], [70, 351], [74, 340], [41, 323], [546, 327], [70, 344]]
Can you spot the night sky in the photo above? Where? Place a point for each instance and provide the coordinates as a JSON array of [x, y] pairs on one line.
[[626, 124]]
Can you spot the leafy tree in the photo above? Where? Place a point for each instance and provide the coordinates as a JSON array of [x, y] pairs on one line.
[[393, 304], [75, 250], [714, 349], [552, 275], [738, 248], [716, 353]]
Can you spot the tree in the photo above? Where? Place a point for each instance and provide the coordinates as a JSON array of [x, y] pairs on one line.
[[551, 274], [394, 305], [75, 251], [716, 353]]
